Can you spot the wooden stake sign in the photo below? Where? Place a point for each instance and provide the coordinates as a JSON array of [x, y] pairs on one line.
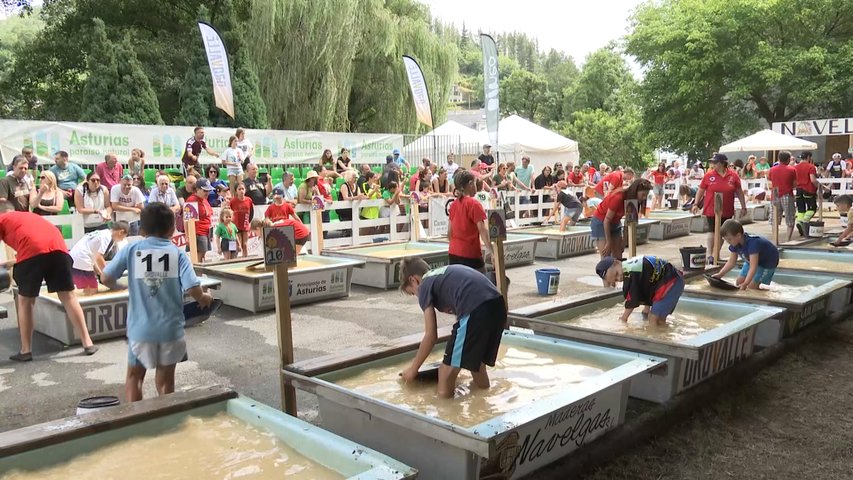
[[317, 207], [777, 213], [280, 254], [632, 217], [416, 227], [497, 234], [718, 212], [190, 217]]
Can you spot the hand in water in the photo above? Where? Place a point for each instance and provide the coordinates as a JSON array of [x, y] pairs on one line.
[[409, 374]]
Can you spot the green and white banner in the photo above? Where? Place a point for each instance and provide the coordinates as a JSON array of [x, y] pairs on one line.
[[87, 143]]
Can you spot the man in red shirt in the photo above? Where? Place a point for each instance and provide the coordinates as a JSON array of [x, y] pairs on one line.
[[301, 233], [719, 179], [202, 223], [783, 178], [575, 177], [614, 181], [467, 226], [807, 186], [110, 171], [41, 255]]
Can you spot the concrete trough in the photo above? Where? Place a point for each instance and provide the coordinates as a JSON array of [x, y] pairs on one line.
[[42, 449], [672, 224], [512, 429], [695, 344], [105, 313], [806, 299], [575, 241], [313, 279], [381, 267], [519, 248], [760, 211]]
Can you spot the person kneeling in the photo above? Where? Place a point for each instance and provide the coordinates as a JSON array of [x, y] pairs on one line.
[[760, 256], [646, 280], [480, 320]]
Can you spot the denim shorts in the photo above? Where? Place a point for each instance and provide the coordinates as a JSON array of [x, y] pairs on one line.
[[762, 275], [573, 213], [597, 227]]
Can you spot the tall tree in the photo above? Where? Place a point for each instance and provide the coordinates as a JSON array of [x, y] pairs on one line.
[[708, 61], [605, 73], [524, 93], [116, 89]]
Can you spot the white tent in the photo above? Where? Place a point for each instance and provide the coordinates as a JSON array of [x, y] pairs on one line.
[[519, 137], [446, 138], [768, 140]]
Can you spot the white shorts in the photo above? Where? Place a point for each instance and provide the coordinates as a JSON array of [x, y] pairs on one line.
[[234, 171], [156, 354]]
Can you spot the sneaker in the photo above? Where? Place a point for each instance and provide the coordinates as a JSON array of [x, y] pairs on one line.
[[22, 357], [90, 350], [800, 229]]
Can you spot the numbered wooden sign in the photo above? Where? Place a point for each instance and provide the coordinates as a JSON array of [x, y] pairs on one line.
[[718, 204], [497, 224], [280, 245], [191, 210], [416, 198], [777, 202], [632, 211], [317, 203]]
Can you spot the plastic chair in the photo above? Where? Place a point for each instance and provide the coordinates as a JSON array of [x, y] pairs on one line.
[[66, 209], [223, 173], [276, 172], [338, 182], [66, 232], [149, 175]]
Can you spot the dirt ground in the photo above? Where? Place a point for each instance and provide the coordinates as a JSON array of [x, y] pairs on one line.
[[792, 421]]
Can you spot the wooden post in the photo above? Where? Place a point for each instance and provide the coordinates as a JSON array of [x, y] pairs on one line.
[[280, 254], [189, 227], [497, 234], [317, 206], [718, 211], [632, 216], [416, 217], [777, 211]]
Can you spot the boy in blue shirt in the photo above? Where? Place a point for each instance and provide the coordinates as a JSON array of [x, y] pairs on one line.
[[481, 318], [158, 274], [760, 256]]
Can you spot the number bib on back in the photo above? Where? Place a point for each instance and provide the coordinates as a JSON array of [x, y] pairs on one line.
[[155, 264]]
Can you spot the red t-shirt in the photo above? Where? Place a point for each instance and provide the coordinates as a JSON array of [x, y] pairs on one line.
[[591, 174], [413, 183], [300, 231], [575, 178], [783, 177], [205, 211], [726, 184], [242, 212], [614, 201], [660, 177], [465, 213], [30, 235], [804, 172], [279, 212], [323, 188], [614, 179]]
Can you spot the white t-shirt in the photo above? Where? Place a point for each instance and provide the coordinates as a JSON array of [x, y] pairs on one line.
[[132, 199], [83, 252], [451, 168], [246, 147], [233, 155]]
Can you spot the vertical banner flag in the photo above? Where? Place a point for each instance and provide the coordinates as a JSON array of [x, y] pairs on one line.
[[490, 83], [419, 90], [217, 58]]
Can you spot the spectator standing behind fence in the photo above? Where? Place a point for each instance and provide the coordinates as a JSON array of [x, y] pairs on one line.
[[244, 211], [47, 199], [139, 182], [15, 188], [68, 175], [127, 202], [441, 185], [255, 189], [227, 242], [165, 194], [247, 148], [306, 191], [188, 188], [390, 173], [451, 166], [291, 195], [192, 150], [232, 160], [348, 192], [487, 159], [399, 159], [92, 200], [32, 160], [136, 164], [205, 212], [213, 177], [110, 171]]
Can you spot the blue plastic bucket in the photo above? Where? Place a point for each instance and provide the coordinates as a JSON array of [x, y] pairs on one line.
[[547, 280]]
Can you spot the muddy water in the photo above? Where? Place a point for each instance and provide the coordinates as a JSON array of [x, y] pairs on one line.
[[774, 291], [521, 376], [396, 252], [818, 265], [220, 447], [240, 268], [680, 326]]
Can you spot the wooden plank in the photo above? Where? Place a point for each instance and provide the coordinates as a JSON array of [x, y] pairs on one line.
[[356, 356], [285, 336], [72, 428], [191, 240]]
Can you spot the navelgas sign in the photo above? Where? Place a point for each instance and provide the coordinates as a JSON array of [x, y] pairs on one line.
[[815, 128]]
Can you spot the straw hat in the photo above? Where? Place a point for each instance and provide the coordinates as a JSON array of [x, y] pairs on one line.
[[311, 174]]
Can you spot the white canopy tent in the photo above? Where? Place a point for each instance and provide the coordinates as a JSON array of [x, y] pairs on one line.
[[768, 140], [450, 137], [520, 137]]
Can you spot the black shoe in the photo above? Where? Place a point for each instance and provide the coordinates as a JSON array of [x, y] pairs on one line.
[[90, 350], [22, 357], [800, 229]]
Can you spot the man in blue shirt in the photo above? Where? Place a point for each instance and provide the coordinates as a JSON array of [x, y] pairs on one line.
[[158, 274], [760, 256], [399, 159], [68, 175], [480, 312]]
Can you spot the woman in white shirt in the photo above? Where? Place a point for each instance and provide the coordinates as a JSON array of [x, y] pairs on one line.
[[232, 158], [91, 253], [246, 147], [92, 200]]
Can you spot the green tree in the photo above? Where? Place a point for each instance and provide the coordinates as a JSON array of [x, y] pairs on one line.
[[614, 138], [604, 75], [712, 64], [524, 93], [116, 89]]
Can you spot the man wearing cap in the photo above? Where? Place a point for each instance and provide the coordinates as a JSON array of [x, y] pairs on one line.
[[719, 179], [835, 169], [486, 158], [807, 187], [205, 212], [127, 202], [399, 159], [646, 280]]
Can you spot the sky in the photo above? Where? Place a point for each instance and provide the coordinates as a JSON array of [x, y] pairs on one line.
[[573, 26]]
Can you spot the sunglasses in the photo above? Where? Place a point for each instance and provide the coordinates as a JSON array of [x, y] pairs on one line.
[[94, 179], [41, 177]]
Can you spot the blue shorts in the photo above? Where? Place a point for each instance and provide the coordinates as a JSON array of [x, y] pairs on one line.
[[762, 275], [666, 298], [573, 213], [597, 227]]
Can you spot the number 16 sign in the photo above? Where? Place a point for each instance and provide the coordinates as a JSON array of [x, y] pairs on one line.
[[279, 245]]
